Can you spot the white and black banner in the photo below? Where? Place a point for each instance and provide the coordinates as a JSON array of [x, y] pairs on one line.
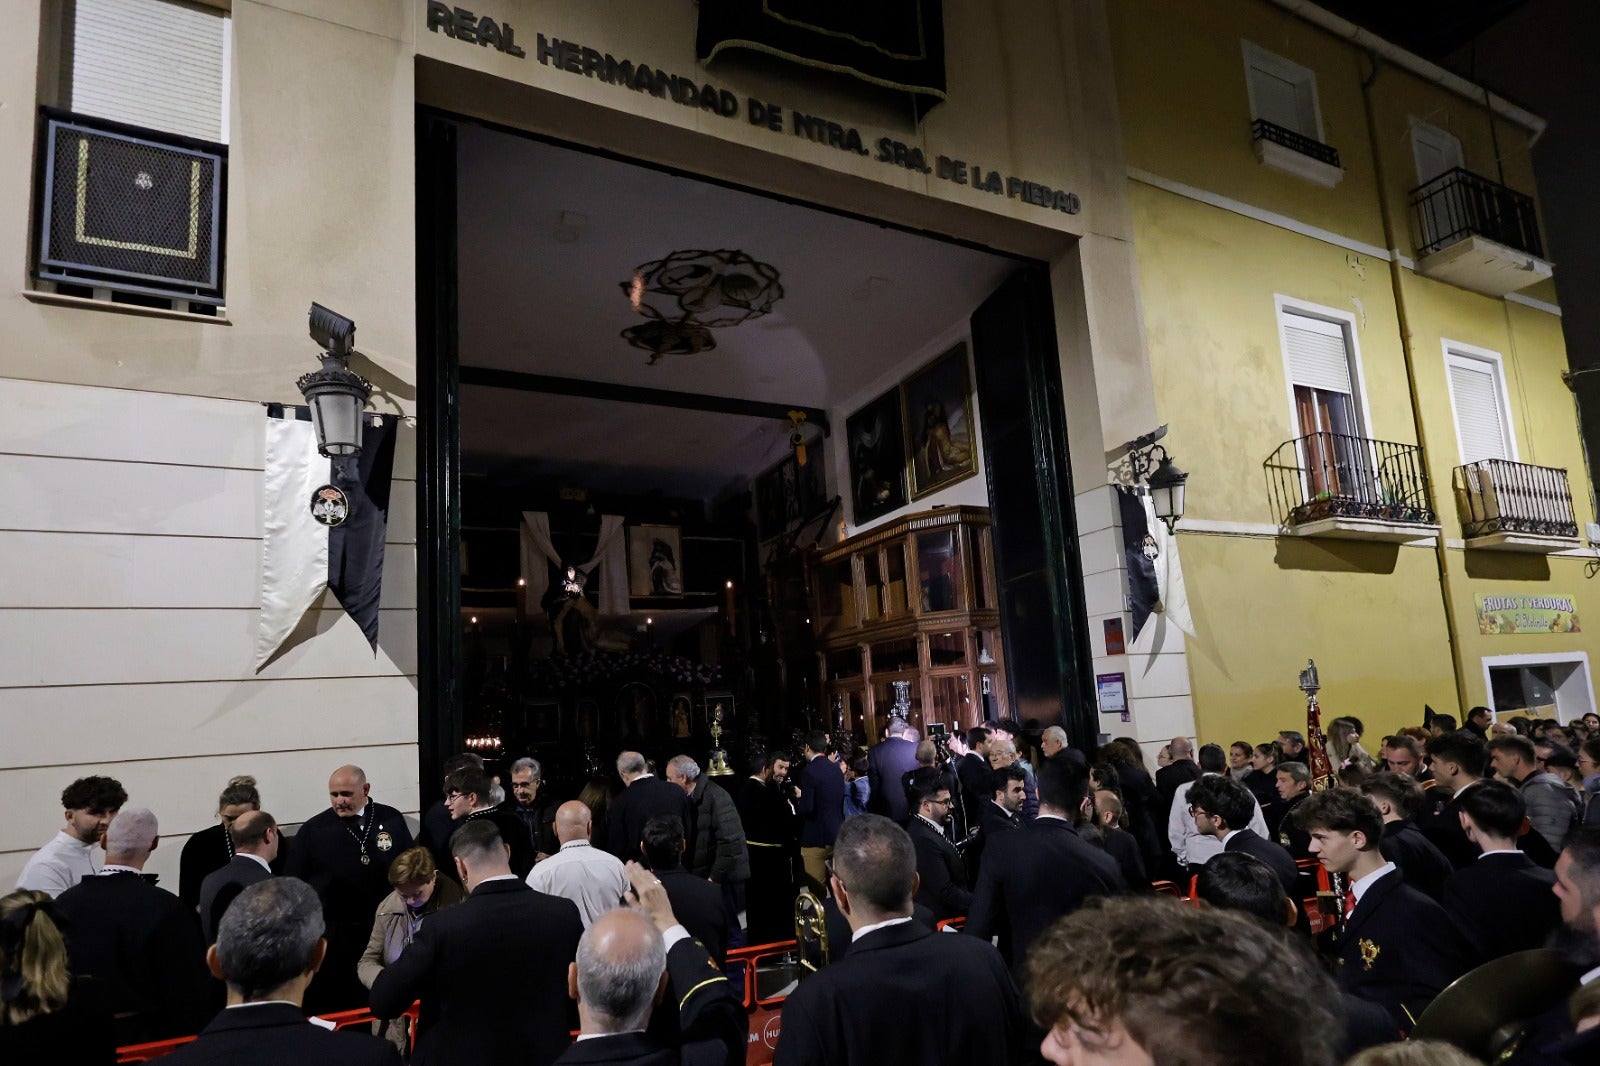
[[324, 525], [1155, 579]]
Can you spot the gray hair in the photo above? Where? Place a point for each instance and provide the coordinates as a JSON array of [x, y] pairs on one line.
[[685, 766], [526, 763], [1055, 733], [497, 795], [897, 726], [132, 833], [268, 935], [622, 987], [631, 762], [876, 862]]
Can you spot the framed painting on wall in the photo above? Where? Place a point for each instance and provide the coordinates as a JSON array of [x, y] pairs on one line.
[[938, 420], [655, 561], [876, 438]]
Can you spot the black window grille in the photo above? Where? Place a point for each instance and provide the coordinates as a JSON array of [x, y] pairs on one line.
[[1262, 130], [130, 209]]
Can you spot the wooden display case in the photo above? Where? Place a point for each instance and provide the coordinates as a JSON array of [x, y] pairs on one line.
[[911, 601]]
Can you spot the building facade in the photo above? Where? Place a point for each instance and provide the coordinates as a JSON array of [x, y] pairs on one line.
[[1112, 155]]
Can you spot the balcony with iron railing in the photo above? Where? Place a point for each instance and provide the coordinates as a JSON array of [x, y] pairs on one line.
[[1477, 233], [1337, 485], [1292, 151], [1507, 506]]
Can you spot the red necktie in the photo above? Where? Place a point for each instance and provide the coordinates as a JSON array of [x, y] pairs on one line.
[[1349, 905]]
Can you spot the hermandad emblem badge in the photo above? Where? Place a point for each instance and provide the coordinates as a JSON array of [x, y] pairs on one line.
[[330, 506]]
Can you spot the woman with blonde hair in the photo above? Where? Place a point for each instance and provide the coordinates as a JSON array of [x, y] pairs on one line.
[[45, 1015], [418, 892], [211, 848], [1344, 744]]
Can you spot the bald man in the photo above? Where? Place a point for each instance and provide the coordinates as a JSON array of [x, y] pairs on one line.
[[579, 871], [254, 838], [630, 961], [1180, 771], [344, 853]]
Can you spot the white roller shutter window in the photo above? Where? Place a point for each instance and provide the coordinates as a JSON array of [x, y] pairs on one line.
[[150, 63], [1480, 416], [1317, 354]]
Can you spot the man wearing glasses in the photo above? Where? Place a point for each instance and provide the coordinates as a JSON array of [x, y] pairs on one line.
[[941, 872]]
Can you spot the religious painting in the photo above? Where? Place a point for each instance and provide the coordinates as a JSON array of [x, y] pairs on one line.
[[788, 494], [940, 440], [719, 710], [681, 714], [655, 561], [877, 458]]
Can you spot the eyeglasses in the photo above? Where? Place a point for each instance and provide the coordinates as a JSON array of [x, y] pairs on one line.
[[946, 802], [829, 871], [451, 797]]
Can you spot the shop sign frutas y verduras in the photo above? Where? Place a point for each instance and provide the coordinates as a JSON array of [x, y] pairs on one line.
[[467, 27], [1526, 614]]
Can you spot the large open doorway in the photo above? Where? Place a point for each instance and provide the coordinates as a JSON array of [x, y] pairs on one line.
[[622, 543]]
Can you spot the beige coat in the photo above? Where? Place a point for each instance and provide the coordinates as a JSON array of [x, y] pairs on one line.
[[390, 935]]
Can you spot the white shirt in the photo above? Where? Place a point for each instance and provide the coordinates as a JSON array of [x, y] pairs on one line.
[[873, 928], [59, 865], [1501, 851], [1192, 847], [1358, 887], [589, 877]]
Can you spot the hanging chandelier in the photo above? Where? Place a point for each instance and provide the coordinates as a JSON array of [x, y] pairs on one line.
[[690, 292]]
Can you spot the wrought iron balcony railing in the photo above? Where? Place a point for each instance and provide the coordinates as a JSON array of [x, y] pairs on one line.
[[1262, 130], [1460, 204], [1334, 475], [1499, 496]]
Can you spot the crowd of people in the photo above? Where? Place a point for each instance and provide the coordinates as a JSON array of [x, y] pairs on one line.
[[516, 920]]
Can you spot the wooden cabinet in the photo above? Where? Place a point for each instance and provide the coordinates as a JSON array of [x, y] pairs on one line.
[[911, 601]]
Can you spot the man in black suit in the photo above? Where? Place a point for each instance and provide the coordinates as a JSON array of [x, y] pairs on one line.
[[1034, 876], [1117, 842], [139, 942], [999, 813], [437, 824], [255, 845], [491, 971], [1003, 753], [1396, 946], [344, 853], [941, 874], [860, 1009], [537, 816], [631, 962], [696, 901], [1460, 760], [888, 762], [1181, 770], [1399, 798], [466, 796], [770, 828], [643, 794], [268, 946], [1241, 882], [820, 808], [972, 769], [1294, 785], [1223, 809], [1503, 902]]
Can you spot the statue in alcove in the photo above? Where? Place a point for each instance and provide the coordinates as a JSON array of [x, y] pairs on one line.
[[571, 614]]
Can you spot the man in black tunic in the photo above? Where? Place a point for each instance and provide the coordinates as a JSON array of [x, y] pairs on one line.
[[770, 826], [344, 853]]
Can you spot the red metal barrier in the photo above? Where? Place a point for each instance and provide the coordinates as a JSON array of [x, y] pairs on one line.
[[340, 1020]]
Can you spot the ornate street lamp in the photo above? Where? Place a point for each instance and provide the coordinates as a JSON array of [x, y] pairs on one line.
[[336, 394], [1163, 478]]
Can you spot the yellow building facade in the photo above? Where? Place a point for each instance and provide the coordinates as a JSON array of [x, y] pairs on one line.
[[1255, 264]]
